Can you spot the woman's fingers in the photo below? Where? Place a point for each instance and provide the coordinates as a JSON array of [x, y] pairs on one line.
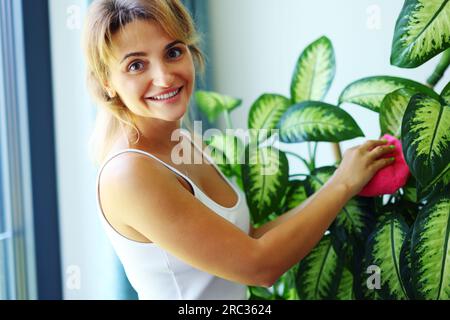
[[371, 144], [381, 163], [380, 151]]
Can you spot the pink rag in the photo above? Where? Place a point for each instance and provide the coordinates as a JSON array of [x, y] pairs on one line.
[[389, 179]]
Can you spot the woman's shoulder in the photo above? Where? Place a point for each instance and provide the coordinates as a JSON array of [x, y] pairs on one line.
[[127, 165]]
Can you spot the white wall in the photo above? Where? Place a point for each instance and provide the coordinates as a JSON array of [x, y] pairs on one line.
[[88, 262], [256, 44]]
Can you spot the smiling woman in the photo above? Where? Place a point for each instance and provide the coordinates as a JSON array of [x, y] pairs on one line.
[[117, 55], [182, 231]]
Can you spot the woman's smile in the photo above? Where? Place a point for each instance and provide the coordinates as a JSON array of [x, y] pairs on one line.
[[169, 96]]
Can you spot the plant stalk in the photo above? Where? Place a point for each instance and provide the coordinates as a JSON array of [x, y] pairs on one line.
[[337, 152], [439, 71], [228, 122]]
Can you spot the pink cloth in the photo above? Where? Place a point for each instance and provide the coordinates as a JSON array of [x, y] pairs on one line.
[[391, 178]]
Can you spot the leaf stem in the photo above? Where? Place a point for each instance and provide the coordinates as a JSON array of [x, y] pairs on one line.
[[439, 71], [228, 122], [313, 159]]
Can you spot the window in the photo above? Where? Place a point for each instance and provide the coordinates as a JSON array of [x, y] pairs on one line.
[[17, 279]]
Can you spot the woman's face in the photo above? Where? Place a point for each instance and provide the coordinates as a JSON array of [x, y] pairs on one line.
[[152, 73]]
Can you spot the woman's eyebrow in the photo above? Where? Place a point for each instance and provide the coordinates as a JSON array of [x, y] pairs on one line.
[[133, 54], [143, 54]]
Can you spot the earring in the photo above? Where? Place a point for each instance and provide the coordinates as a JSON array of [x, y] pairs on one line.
[[111, 93]]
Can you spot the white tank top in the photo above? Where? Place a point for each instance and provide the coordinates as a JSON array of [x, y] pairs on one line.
[[156, 274]]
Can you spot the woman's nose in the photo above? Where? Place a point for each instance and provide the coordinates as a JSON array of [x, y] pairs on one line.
[[162, 76]]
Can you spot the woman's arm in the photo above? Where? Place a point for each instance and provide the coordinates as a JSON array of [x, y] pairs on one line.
[[144, 195]]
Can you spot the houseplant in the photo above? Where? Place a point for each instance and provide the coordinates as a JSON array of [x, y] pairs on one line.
[[395, 247]]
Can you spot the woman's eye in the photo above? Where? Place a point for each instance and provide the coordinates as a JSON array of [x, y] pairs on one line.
[[136, 66], [174, 53]]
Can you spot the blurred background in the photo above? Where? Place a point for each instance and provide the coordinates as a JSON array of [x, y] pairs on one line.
[[51, 242]]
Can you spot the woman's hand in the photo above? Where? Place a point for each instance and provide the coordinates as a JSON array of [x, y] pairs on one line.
[[361, 163]]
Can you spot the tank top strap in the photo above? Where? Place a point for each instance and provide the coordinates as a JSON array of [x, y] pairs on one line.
[[178, 172]]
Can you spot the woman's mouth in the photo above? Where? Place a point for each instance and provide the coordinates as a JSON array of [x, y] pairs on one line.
[[167, 97]]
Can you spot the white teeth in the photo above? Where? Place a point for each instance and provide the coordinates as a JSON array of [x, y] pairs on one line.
[[166, 96]]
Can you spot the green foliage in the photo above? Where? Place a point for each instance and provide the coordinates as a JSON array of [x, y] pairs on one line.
[[421, 32], [405, 238]]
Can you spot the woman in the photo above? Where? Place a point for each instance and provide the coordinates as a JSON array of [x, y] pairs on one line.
[[182, 231]]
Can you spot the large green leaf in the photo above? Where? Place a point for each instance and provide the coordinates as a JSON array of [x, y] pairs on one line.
[[317, 121], [421, 32], [265, 114], [227, 151], [345, 289], [213, 104], [445, 94], [370, 92], [318, 273], [426, 138], [265, 175], [430, 251], [383, 250], [314, 72], [392, 109]]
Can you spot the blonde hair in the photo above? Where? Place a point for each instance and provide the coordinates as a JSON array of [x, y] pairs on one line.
[[104, 19]]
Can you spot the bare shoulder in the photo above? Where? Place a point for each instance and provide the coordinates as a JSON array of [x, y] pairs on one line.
[[148, 198], [127, 177]]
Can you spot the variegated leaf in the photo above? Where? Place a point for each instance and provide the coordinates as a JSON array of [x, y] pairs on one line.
[[383, 250], [345, 289], [265, 114], [314, 72], [213, 104], [265, 177], [317, 121], [426, 138], [392, 109], [421, 32], [445, 94], [430, 251], [370, 92], [318, 273]]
